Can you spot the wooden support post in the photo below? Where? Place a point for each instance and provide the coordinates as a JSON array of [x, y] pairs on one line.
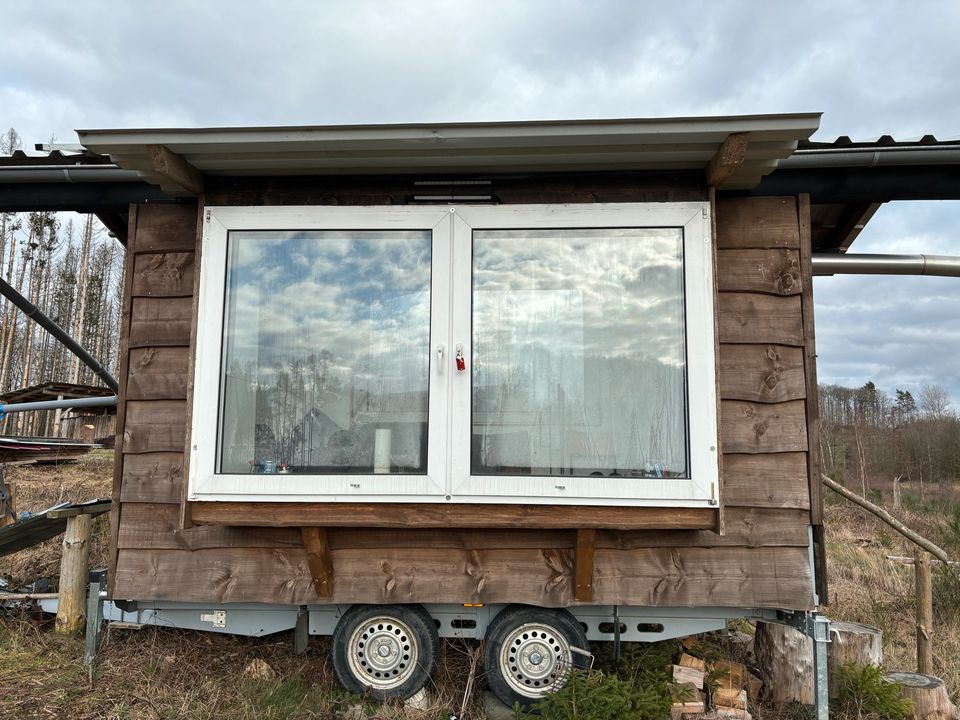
[[318, 559], [8, 504], [301, 631], [71, 611], [924, 613], [583, 565]]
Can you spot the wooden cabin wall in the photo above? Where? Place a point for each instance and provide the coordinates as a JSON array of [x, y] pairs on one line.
[[762, 560]]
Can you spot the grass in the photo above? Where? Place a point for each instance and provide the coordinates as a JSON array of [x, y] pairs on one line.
[[161, 674]]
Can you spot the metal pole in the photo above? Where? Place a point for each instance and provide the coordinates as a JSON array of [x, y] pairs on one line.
[[869, 264], [58, 404], [33, 312]]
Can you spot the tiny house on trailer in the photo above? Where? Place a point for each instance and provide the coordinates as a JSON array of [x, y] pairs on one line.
[[539, 383]]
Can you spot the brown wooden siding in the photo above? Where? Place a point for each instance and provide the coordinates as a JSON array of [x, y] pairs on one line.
[[761, 560]]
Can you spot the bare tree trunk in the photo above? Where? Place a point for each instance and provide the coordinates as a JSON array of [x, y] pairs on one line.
[[79, 319], [858, 436], [8, 342]]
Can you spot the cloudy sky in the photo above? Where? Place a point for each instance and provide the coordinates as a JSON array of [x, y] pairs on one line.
[[874, 67]]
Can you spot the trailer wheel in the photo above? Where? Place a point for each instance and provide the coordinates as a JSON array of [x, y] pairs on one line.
[[528, 652], [385, 651]]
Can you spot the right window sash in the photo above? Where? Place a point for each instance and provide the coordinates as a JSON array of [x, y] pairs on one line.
[[585, 334]]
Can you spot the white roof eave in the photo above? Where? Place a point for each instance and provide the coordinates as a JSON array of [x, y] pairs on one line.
[[583, 145]]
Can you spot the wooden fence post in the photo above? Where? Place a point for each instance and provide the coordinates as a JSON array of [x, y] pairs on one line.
[[924, 613], [71, 610]]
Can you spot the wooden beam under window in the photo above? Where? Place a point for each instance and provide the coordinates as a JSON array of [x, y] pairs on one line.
[[462, 515], [318, 560], [583, 565], [729, 157], [174, 168]]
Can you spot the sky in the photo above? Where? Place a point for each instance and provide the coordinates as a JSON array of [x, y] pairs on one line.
[[873, 68]]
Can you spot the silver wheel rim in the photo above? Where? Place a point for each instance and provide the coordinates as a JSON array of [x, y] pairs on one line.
[[382, 653], [535, 659]]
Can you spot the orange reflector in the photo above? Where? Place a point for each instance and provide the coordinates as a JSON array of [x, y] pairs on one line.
[[473, 604]]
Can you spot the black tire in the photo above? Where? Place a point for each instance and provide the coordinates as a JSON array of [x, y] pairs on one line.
[[527, 652], [385, 651]]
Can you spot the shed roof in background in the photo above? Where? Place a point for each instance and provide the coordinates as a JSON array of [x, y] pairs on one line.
[[583, 145]]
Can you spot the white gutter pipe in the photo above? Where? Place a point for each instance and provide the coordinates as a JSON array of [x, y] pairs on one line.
[[854, 264]]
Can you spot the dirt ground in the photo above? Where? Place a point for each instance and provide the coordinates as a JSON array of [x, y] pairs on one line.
[[156, 674]]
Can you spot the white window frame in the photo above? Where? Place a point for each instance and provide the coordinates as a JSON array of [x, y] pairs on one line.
[[448, 477]]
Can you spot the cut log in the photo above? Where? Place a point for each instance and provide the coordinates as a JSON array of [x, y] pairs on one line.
[[731, 698], [928, 694], [725, 713], [691, 662], [730, 675], [852, 642], [785, 660], [686, 709], [688, 676]]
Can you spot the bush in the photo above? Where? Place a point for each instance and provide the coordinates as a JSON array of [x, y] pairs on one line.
[[639, 686], [863, 693]]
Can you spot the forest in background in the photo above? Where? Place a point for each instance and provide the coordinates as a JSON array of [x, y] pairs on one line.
[[72, 270], [869, 438]]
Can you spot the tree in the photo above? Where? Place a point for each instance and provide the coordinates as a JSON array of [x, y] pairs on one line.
[[934, 401]]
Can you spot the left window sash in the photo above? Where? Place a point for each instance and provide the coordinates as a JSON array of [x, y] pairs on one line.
[[314, 375]]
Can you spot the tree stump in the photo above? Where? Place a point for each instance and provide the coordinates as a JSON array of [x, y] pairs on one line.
[[72, 605], [852, 642], [929, 696], [785, 659]]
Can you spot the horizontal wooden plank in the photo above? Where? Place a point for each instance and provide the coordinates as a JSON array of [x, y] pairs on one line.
[[153, 477], [761, 373], [148, 525], [159, 322], [747, 427], [165, 228], [733, 577], [436, 515], [756, 318], [769, 481], [155, 426], [163, 274], [775, 271], [760, 222], [158, 373]]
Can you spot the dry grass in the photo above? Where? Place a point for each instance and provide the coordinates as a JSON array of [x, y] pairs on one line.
[[157, 674], [40, 486], [160, 674], [867, 587]]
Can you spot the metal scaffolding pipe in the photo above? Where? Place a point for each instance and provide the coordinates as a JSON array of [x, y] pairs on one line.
[[59, 404], [860, 264], [33, 312]]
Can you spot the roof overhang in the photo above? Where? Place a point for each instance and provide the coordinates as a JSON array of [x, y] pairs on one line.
[[178, 159]]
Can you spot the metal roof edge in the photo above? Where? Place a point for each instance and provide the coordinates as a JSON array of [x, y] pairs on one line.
[[799, 120]]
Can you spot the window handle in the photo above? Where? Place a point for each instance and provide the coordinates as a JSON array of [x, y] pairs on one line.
[[440, 351]]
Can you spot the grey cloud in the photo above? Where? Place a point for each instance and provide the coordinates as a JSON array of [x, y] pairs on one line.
[[872, 67]]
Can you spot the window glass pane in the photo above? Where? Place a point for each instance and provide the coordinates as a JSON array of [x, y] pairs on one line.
[[579, 363], [326, 352]]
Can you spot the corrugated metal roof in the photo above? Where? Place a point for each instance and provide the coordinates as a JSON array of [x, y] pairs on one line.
[[583, 145]]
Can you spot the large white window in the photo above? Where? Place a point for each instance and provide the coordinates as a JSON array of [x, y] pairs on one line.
[[514, 354]]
